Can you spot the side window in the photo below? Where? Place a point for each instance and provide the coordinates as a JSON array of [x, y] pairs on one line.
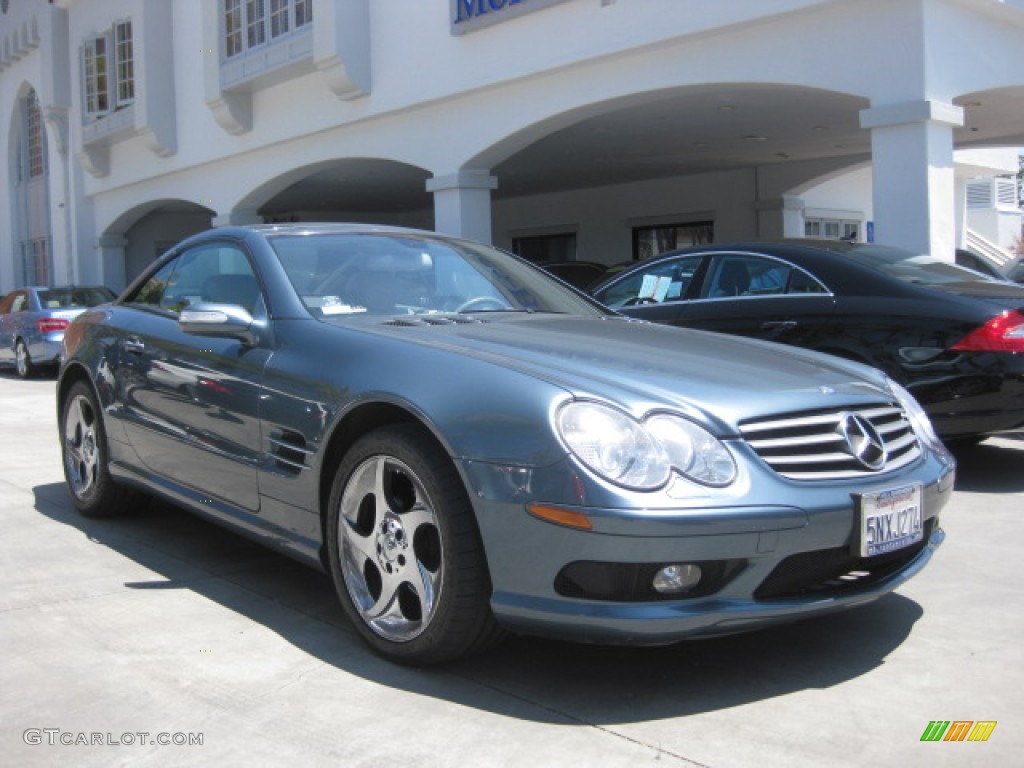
[[151, 291], [20, 303], [769, 278], [735, 274], [801, 282], [216, 273], [664, 281]]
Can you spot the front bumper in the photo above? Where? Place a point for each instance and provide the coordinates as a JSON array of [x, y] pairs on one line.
[[663, 622], [784, 562]]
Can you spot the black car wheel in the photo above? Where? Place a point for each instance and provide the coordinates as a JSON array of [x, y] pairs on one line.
[[405, 551], [84, 451], [23, 361]]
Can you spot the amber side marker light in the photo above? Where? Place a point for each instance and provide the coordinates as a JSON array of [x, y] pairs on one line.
[[560, 516]]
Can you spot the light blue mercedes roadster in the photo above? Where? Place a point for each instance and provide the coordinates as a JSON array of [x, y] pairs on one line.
[[468, 446]]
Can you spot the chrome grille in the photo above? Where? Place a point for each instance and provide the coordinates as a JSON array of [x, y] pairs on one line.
[[834, 444]]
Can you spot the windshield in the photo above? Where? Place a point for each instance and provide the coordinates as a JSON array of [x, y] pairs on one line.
[[388, 274], [58, 298], [920, 269]]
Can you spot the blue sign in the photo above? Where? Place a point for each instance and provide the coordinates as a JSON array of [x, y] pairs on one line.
[[869, 227], [468, 15]]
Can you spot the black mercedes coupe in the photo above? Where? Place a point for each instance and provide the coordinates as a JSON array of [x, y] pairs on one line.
[[953, 337]]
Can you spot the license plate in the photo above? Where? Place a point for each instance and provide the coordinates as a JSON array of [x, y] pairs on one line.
[[890, 520]]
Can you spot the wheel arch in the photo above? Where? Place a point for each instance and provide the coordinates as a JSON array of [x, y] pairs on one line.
[[355, 423], [70, 376]]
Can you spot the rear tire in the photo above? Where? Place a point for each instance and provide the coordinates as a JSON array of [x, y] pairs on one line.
[[23, 360], [84, 456], [405, 551]]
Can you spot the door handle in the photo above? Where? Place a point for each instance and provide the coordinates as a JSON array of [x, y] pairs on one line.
[[133, 345], [778, 325]]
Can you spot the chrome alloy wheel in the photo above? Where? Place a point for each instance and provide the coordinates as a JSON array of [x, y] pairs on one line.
[[22, 361], [81, 452], [390, 546]]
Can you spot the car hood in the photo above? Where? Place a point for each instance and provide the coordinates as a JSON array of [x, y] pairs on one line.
[[643, 366]]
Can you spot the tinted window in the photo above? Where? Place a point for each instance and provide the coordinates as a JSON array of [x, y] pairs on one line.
[[801, 282], [733, 275], [664, 281]]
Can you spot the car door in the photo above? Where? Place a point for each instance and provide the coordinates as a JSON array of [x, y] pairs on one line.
[[190, 404], [750, 294], [757, 295]]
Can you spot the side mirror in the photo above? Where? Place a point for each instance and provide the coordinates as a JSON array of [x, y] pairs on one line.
[[221, 320]]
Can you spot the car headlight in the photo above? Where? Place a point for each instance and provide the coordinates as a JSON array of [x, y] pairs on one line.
[[642, 456], [919, 420]]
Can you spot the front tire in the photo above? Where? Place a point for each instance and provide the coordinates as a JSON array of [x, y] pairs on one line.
[[84, 452], [23, 361], [405, 551]]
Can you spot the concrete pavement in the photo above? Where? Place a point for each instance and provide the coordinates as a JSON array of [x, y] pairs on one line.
[[125, 640]]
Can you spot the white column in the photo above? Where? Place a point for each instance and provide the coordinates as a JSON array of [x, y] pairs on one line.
[[913, 176], [462, 204], [960, 205], [112, 252]]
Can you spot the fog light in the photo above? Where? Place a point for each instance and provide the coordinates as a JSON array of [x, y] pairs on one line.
[[676, 578]]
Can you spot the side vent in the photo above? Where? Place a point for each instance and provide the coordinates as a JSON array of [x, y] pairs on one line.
[[290, 452]]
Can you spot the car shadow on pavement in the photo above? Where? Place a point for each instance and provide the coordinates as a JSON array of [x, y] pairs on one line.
[[525, 678], [995, 466]]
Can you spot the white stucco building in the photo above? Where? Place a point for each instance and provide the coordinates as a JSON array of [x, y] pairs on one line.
[[584, 128]]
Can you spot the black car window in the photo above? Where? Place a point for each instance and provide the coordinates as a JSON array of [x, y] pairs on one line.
[[801, 282], [20, 303], [732, 275], [666, 280], [217, 273]]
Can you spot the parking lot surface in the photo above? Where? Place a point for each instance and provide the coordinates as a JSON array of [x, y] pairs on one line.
[[160, 639]]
